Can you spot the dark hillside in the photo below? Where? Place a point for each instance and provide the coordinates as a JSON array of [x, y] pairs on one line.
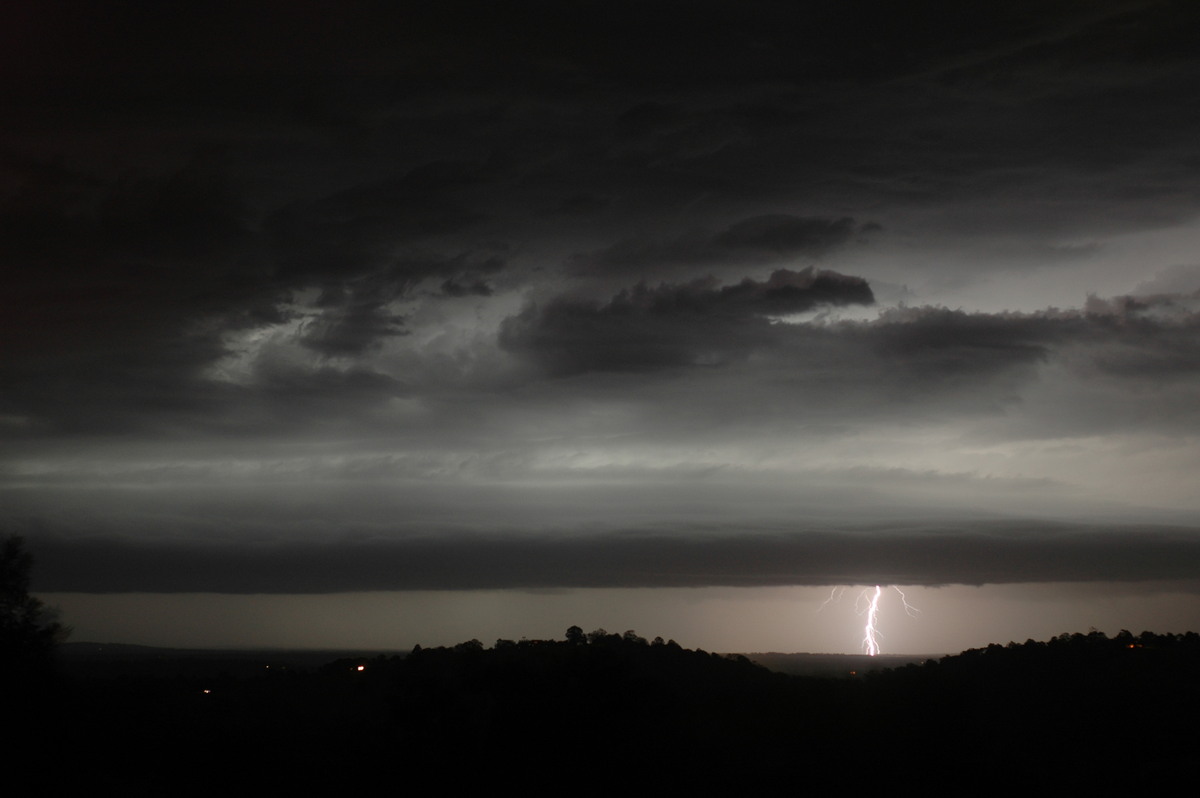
[[605, 712], [1079, 707]]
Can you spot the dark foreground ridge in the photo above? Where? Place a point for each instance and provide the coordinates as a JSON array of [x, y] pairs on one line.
[[600, 712]]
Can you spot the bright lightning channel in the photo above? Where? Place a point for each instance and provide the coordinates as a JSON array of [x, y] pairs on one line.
[[867, 604], [871, 634]]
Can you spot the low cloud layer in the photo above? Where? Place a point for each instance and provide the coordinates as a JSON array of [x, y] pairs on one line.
[[973, 554]]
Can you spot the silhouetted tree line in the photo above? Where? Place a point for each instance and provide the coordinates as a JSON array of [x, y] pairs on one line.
[[602, 712], [1080, 705]]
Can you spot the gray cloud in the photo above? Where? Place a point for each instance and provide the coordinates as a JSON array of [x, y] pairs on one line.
[[758, 239], [783, 234], [456, 288], [969, 553], [672, 325], [680, 377], [935, 342]]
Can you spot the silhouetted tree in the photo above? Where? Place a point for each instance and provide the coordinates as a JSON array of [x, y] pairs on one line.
[[28, 631], [575, 636]]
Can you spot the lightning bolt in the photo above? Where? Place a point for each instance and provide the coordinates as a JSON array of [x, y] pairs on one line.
[[867, 603], [871, 634]]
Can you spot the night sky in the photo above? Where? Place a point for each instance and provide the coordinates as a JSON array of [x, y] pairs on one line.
[[373, 324]]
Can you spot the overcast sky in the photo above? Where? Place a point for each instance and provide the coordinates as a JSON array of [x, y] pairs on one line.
[[377, 323]]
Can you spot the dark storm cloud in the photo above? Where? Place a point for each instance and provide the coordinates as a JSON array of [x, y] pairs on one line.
[[121, 292], [299, 189], [357, 230], [329, 384], [1154, 338], [352, 319], [354, 315], [646, 328], [1115, 366], [751, 40], [117, 295], [969, 553], [756, 239], [142, 251], [1145, 350], [671, 325], [455, 288], [935, 342], [782, 234], [352, 330]]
